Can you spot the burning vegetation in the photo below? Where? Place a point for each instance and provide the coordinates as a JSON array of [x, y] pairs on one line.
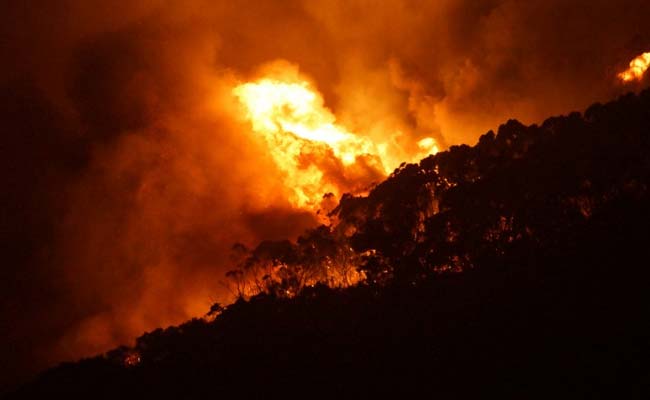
[[315, 153], [638, 66]]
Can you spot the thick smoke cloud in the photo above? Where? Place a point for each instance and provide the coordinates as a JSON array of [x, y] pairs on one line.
[[128, 172]]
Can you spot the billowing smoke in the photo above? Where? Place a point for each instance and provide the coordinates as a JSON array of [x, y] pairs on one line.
[[129, 171]]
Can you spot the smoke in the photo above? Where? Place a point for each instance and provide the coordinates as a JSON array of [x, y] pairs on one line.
[[129, 171]]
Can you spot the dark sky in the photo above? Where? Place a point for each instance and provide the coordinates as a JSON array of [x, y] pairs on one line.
[[127, 175]]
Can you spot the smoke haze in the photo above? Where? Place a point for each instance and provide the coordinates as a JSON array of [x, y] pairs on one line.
[[129, 169]]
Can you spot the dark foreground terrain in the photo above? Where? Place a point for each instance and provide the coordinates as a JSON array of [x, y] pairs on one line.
[[517, 268]]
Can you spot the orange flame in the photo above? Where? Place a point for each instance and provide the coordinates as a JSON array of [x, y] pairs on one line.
[[275, 106], [637, 68], [292, 117]]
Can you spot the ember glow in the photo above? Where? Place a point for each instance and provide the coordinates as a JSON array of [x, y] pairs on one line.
[[638, 67], [302, 134]]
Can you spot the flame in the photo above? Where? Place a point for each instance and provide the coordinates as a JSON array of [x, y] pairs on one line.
[[428, 145], [277, 107], [637, 68], [302, 134]]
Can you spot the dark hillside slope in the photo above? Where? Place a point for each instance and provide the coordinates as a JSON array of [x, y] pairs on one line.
[[519, 267]]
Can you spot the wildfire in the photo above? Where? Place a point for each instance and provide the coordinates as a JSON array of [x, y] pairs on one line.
[[428, 145], [637, 68], [277, 108], [305, 139]]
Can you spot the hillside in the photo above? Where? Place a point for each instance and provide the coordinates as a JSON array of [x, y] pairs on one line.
[[517, 267]]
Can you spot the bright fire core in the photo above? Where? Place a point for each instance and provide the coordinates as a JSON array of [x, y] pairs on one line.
[[307, 143], [638, 66]]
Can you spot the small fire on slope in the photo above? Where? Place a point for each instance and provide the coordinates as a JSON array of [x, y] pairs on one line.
[[638, 66]]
